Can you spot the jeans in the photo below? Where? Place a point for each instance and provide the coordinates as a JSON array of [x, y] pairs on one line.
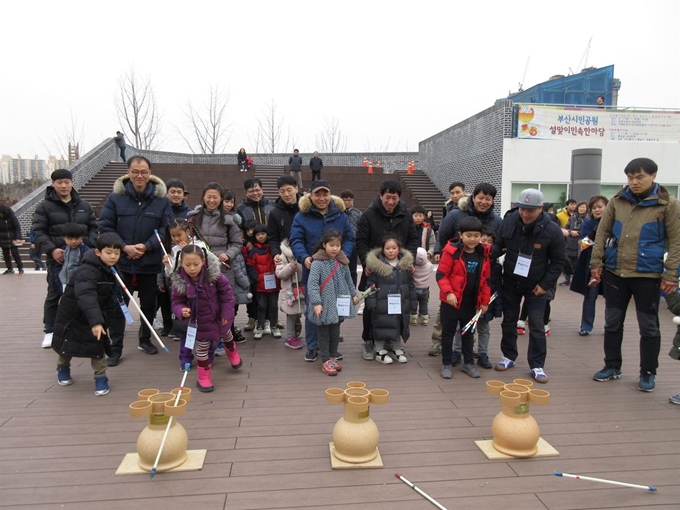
[[329, 337], [512, 295], [268, 308], [645, 292], [423, 298], [146, 290], [453, 320], [483, 334], [588, 310], [353, 260], [122, 154], [34, 253], [52, 298], [311, 330]]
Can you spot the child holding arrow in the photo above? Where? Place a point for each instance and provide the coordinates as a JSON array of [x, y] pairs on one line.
[[462, 275]]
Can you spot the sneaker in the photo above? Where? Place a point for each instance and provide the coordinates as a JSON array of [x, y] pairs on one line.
[[646, 382], [157, 324], [583, 332], [276, 332], [183, 367], [504, 364], [435, 350], [250, 325], [547, 329], [414, 320], [113, 360], [383, 357], [675, 399], [101, 385], [267, 328], [399, 356], [328, 368], [259, 331], [539, 375], [8, 271], [607, 373], [336, 363], [311, 356], [521, 327], [368, 351], [234, 358], [470, 370], [47, 340], [220, 350], [455, 359], [483, 361], [338, 356], [64, 376], [293, 343], [147, 347], [446, 372], [238, 337], [360, 311], [21, 272], [564, 283]]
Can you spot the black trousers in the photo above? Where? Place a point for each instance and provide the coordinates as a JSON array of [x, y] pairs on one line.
[[14, 252], [267, 308], [52, 298], [353, 261], [164, 302], [146, 290], [451, 318], [316, 175], [512, 295], [645, 292]]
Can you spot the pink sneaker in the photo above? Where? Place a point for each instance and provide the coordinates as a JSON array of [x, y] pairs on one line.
[[232, 355], [293, 343]]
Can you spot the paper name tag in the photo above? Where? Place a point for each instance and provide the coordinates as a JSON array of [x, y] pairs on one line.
[[126, 312], [343, 306], [269, 281], [522, 265], [191, 337], [394, 304]]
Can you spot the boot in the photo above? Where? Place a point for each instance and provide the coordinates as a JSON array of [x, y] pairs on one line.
[[414, 320], [425, 320], [204, 383], [232, 354], [250, 325], [101, 385]]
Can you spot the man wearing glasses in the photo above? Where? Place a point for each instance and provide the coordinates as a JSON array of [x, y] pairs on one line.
[[137, 208]]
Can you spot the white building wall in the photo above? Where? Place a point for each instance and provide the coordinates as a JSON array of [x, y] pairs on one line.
[[549, 161]]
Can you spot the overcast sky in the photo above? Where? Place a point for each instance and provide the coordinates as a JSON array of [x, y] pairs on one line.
[[391, 72]]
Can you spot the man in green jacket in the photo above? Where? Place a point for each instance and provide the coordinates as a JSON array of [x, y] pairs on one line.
[[640, 223]]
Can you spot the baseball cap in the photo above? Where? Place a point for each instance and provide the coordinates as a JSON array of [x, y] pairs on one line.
[[320, 185], [530, 199]]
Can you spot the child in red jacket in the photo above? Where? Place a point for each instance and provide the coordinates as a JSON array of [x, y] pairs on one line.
[[462, 276], [268, 285]]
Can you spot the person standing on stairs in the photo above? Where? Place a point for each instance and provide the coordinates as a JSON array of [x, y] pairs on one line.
[[61, 205], [295, 162], [120, 142]]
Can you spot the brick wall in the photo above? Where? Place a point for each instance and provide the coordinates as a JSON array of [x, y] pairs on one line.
[[470, 151]]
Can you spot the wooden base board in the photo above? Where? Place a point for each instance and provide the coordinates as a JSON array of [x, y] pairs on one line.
[[544, 450], [130, 464], [376, 463]]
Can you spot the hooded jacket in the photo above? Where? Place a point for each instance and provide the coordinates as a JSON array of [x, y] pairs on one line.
[[52, 214], [376, 222], [291, 286], [262, 260], [280, 222], [258, 211], [448, 228], [543, 240], [390, 280], [87, 301], [423, 271], [339, 284], [210, 301], [633, 236], [309, 224], [136, 217], [452, 274], [218, 229]]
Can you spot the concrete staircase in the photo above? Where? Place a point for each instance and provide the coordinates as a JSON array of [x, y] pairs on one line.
[[97, 189], [268, 174], [423, 190]]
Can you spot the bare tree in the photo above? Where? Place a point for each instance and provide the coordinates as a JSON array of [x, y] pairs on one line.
[[331, 139], [136, 108], [270, 127], [255, 141], [209, 131], [71, 133]]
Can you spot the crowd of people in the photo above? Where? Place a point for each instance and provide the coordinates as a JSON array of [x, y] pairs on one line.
[[297, 257]]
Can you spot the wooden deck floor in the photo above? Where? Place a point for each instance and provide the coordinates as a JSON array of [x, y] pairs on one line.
[[267, 427]]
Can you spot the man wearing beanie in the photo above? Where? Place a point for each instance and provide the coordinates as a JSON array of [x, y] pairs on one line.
[[61, 205]]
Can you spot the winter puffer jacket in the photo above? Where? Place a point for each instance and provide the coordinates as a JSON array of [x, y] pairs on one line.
[[52, 214], [390, 280], [262, 260], [340, 284], [288, 297], [210, 301], [10, 229], [87, 301], [423, 273], [571, 243], [136, 217], [452, 274], [218, 230], [448, 228], [258, 211], [279, 223]]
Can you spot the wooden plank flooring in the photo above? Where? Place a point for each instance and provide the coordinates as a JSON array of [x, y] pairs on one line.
[[267, 426]]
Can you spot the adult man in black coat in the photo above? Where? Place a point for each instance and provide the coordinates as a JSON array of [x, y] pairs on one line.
[[387, 214], [533, 245], [61, 205], [281, 216]]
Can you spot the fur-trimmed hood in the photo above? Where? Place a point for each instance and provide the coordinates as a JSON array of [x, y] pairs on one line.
[[322, 255], [463, 203], [120, 188], [179, 280], [382, 268], [286, 250], [305, 203]]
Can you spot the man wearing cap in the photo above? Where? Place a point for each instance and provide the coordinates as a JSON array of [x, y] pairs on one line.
[[319, 211], [61, 205], [640, 223], [136, 210], [533, 245], [387, 214]]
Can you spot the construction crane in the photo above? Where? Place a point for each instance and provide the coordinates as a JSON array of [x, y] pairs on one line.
[[584, 58], [521, 83]]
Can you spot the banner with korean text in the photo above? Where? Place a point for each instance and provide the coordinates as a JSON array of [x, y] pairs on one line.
[[560, 122]]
